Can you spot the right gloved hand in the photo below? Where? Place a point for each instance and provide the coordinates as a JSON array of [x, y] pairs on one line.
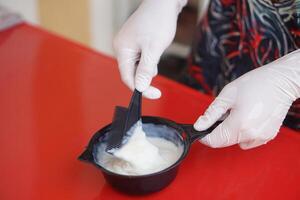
[[142, 40], [258, 102]]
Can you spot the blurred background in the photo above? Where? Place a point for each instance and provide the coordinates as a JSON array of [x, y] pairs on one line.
[[95, 22]]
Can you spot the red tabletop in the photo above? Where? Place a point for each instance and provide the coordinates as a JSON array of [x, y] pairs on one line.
[[54, 94]]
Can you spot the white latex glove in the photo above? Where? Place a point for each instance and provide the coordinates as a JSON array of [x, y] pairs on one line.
[[258, 102], [142, 40]]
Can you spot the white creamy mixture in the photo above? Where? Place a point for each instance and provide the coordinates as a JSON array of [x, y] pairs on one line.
[[140, 155]]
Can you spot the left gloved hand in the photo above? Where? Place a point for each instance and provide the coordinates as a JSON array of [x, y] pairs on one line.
[[142, 40], [258, 102]]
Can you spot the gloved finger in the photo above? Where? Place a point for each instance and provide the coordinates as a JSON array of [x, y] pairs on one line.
[[152, 93], [147, 68], [267, 129], [252, 143], [255, 137], [127, 59], [217, 109], [223, 135]]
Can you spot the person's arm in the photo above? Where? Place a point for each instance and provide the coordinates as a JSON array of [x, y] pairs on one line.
[[142, 40], [258, 102]]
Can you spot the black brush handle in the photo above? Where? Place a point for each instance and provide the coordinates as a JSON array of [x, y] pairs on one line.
[[134, 110], [124, 119], [116, 133]]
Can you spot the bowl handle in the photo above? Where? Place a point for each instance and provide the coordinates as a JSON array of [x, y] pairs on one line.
[[196, 135], [86, 156]]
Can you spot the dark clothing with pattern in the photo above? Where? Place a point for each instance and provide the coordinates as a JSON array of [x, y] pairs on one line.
[[236, 36]]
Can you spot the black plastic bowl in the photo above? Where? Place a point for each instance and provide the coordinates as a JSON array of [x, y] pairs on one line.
[[143, 184]]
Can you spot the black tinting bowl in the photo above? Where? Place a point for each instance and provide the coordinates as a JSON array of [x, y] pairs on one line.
[[143, 184]]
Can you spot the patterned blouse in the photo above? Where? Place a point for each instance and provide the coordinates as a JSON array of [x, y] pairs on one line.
[[236, 36]]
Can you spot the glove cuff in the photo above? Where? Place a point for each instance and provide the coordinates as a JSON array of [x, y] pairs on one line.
[[175, 5], [289, 67], [181, 4], [293, 70]]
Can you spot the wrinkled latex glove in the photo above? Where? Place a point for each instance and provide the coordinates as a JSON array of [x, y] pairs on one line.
[[142, 40], [258, 102]]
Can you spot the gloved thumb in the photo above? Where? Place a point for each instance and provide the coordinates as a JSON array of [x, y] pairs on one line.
[[217, 108]]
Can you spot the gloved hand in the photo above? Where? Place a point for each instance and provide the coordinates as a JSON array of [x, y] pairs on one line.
[[258, 102], [142, 40]]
